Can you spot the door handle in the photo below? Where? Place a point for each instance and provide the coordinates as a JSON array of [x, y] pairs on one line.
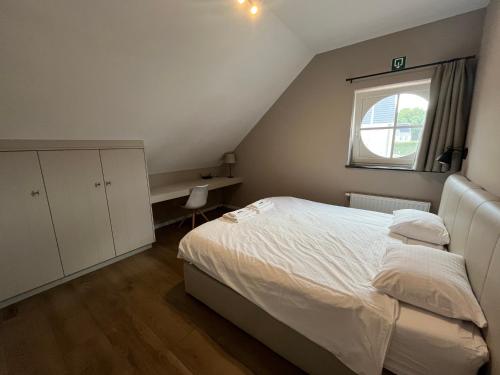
[[97, 184], [108, 183], [35, 193]]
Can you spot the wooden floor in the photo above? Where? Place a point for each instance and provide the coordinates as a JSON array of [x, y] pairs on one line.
[[132, 317]]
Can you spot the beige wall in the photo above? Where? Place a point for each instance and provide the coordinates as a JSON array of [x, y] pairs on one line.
[[482, 165], [300, 146]]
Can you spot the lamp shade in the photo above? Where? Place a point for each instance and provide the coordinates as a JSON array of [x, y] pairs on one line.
[[229, 158]]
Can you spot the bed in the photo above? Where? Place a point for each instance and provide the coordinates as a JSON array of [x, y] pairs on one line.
[[297, 278]]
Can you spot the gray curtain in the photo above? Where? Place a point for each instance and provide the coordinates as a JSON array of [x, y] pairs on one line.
[[447, 115]]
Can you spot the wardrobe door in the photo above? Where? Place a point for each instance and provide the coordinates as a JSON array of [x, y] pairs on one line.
[[75, 188], [28, 250], [128, 198]]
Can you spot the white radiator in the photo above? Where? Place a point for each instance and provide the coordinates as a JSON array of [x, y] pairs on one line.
[[384, 204]]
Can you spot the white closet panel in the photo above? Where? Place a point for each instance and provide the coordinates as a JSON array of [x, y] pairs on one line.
[[128, 198], [77, 198], [28, 250]]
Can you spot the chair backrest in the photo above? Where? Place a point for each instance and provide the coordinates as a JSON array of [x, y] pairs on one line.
[[197, 197]]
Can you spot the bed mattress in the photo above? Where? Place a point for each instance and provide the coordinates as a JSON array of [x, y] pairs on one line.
[[309, 265]]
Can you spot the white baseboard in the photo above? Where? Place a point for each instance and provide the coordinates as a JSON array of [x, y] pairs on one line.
[[65, 279], [184, 217]]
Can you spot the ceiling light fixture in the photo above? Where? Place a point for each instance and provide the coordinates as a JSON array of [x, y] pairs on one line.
[[253, 7]]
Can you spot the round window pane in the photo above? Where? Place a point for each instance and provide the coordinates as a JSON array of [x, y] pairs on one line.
[[412, 110], [406, 141], [378, 141], [382, 114], [400, 139]]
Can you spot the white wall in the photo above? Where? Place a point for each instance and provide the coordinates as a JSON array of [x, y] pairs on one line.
[[329, 24], [189, 77]]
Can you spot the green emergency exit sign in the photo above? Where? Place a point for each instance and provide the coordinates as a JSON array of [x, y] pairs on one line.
[[398, 63]]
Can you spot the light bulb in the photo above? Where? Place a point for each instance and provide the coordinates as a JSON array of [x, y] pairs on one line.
[[254, 9], [241, 1]]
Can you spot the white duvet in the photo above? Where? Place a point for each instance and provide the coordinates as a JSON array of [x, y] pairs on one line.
[[309, 265]]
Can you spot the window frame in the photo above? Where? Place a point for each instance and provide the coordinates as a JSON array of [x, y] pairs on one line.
[[364, 99]]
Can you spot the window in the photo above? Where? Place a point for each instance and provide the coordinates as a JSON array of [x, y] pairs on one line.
[[387, 124]]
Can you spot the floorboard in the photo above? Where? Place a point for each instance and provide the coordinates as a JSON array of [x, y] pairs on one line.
[[131, 317]]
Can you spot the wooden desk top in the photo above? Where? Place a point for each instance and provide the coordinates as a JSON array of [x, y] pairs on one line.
[[182, 189]]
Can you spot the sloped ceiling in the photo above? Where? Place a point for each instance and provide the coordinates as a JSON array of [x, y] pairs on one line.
[[328, 24], [190, 77]]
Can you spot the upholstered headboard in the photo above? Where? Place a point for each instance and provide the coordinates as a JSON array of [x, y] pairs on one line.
[[472, 216]]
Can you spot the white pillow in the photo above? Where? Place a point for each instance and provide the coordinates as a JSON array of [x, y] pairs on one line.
[[420, 225], [432, 280]]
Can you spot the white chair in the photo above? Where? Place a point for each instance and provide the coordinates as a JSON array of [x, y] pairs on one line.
[[197, 199]]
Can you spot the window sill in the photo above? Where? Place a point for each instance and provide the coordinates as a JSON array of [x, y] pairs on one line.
[[380, 167]]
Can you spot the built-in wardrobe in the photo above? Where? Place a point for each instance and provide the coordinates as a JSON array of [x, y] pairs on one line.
[[68, 207]]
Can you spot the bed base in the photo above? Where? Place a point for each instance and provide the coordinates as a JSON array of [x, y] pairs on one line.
[[282, 339]]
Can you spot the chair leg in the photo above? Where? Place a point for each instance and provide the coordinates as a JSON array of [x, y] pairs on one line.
[[182, 222], [204, 216], [194, 218]]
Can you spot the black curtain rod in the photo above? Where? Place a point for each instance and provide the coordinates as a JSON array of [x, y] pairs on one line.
[[411, 68]]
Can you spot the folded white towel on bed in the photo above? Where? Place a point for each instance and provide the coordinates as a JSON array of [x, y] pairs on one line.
[[239, 215], [261, 205]]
